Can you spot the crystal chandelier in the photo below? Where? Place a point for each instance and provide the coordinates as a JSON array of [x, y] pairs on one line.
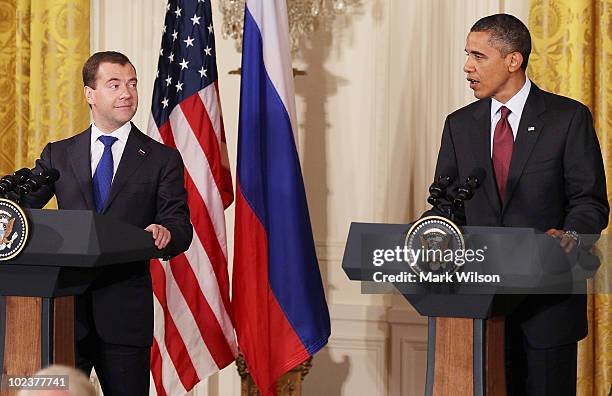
[[304, 17]]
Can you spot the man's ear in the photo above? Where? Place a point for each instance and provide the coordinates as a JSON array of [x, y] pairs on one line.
[[89, 95], [516, 60]]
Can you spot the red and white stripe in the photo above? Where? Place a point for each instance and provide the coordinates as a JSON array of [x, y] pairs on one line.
[[194, 333]]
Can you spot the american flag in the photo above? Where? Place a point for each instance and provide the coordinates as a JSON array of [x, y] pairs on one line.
[[194, 335]]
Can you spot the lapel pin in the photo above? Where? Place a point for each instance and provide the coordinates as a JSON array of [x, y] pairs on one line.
[[531, 129], [141, 152]]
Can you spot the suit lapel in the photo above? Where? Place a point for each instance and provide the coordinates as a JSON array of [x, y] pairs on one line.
[[529, 129], [135, 151], [481, 144], [80, 161]]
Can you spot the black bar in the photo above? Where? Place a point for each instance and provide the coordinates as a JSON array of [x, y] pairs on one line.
[[431, 355], [480, 350], [2, 330], [46, 328]]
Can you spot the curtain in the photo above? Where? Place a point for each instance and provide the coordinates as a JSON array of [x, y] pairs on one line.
[[43, 45], [572, 56]]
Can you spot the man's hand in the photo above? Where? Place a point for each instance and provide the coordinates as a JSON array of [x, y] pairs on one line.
[[161, 235], [566, 241]]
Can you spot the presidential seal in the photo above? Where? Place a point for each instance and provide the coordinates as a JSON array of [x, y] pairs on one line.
[[433, 243], [14, 229]]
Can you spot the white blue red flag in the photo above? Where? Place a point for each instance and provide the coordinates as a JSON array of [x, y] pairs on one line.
[[281, 315], [194, 334]]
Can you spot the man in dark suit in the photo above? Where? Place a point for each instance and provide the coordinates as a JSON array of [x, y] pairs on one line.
[[544, 170], [116, 170]]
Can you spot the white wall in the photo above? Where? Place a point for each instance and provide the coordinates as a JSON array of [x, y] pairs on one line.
[[371, 108]]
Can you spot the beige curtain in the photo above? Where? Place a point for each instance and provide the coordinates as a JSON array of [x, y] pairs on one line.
[[43, 45], [572, 56]]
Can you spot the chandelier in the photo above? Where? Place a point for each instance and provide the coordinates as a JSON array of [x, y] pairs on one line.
[[304, 17]]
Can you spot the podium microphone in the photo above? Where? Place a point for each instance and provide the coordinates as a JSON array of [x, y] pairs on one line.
[[10, 182], [466, 191], [35, 182], [437, 190]]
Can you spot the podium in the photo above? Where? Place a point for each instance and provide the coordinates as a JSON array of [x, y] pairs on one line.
[[66, 251], [465, 349]]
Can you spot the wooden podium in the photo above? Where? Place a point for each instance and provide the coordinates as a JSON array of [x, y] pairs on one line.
[[66, 251], [465, 351]]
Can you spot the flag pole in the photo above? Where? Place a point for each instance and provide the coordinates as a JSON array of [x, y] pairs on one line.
[[290, 384]]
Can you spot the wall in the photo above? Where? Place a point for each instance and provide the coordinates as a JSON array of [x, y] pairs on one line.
[[378, 85]]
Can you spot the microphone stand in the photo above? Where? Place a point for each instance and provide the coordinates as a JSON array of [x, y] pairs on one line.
[[437, 193]]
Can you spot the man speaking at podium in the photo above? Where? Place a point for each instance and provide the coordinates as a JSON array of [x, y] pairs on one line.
[[544, 170], [114, 169]]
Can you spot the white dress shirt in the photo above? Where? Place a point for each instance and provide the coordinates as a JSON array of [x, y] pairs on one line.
[[515, 105], [97, 147]]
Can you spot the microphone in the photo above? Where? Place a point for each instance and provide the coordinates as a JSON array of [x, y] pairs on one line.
[[35, 182], [466, 191], [437, 190], [10, 182]]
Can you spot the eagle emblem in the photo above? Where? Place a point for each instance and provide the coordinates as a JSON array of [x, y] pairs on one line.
[[14, 229], [435, 241], [7, 236]]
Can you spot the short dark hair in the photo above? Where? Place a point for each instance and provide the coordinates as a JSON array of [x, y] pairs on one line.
[[508, 34], [90, 68]]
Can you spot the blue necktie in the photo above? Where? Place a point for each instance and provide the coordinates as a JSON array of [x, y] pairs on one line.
[[103, 177]]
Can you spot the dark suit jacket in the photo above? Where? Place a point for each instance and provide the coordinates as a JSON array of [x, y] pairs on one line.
[[556, 180], [147, 188]]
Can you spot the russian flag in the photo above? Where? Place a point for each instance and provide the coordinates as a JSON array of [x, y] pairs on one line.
[[279, 304]]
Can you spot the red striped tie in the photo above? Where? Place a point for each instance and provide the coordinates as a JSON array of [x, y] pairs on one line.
[[503, 140]]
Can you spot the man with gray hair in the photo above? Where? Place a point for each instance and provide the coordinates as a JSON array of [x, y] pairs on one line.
[[76, 383]]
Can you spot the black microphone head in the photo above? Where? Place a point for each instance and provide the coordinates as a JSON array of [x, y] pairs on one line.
[[11, 182], [444, 181], [465, 193], [435, 190], [446, 177], [433, 200], [51, 175], [450, 172], [6, 184], [34, 182], [476, 178], [458, 203], [23, 173]]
